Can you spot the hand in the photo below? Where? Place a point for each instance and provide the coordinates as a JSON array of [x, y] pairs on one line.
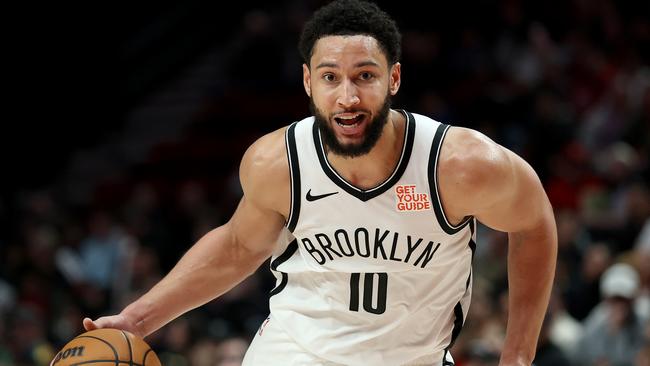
[[114, 321]]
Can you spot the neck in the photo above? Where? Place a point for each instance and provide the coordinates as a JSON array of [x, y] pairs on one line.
[[370, 170]]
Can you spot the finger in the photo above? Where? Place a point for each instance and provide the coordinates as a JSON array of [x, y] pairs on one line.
[[89, 324]]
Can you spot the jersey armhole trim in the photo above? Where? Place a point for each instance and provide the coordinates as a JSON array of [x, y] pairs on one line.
[[434, 158], [294, 172], [459, 317], [445, 360], [292, 248]]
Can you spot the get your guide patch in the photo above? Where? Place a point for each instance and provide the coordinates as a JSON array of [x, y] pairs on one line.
[[408, 199]]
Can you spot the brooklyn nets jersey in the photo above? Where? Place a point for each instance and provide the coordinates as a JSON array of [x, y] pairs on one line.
[[376, 276]]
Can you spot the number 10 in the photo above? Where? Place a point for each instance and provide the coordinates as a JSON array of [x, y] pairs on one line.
[[368, 290]]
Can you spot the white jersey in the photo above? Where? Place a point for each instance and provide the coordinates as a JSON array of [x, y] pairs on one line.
[[376, 276]]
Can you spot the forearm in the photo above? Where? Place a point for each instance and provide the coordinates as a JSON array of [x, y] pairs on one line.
[[531, 269], [210, 268]]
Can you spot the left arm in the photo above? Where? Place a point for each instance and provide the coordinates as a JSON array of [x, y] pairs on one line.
[[526, 214], [506, 194]]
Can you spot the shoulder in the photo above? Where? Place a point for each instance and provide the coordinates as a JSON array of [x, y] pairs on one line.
[[471, 160], [481, 178], [264, 171], [474, 172], [266, 155]]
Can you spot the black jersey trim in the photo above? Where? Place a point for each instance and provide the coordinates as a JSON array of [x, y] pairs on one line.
[[365, 195], [472, 246], [459, 319], [472, 239], [444, 359], [292, 248], [434, 158], [458, 324], [294, 169]]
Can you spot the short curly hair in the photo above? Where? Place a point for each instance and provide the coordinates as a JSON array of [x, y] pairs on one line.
[[352, 17]]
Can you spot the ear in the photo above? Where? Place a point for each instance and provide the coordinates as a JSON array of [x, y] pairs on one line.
[[306, 79], [395, 78]]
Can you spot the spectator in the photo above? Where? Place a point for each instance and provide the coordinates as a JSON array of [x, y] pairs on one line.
[[613, 331]]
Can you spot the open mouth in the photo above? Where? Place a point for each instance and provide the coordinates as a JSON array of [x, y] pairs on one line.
[[349, 120]]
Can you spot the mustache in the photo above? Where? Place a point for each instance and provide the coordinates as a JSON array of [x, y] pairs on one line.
[[372, 133]]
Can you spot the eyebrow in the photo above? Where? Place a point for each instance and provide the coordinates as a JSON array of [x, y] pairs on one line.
[[360, 64]]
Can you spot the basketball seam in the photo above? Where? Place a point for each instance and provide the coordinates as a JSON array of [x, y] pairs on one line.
[[99, 339], [102, 361], [144, 358], [128, 342]]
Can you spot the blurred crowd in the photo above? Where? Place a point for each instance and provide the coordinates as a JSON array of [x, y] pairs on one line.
[[565, 84]]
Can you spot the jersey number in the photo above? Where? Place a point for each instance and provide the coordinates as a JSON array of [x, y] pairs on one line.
[[368, 292]]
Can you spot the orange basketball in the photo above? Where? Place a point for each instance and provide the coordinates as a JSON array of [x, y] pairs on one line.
[[101, 346]]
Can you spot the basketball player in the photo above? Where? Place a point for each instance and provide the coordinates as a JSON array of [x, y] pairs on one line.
[[369, 216]]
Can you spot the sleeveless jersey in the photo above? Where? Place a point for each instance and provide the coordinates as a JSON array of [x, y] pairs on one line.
[[376, 276]]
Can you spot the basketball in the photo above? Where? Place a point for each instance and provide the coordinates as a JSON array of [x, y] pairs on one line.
[[101, 346]]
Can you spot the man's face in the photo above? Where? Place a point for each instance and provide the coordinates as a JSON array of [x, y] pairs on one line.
[[350, 84]]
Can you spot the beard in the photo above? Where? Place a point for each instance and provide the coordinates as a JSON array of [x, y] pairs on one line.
[[371, 135]]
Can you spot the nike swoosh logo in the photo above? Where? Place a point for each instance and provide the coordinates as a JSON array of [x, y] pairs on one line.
[[311, 198]]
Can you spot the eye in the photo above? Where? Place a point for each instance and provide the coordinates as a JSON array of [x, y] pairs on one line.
[[329, 77], [366, 75]]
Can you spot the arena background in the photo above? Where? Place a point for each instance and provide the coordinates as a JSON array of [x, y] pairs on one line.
[[124, 127]]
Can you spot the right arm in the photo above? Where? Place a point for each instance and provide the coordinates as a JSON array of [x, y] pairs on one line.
[[224, 256]]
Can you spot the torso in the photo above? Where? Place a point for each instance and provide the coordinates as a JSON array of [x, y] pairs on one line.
[[371, 273]]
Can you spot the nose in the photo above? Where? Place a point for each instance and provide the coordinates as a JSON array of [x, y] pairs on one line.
[[348, 95]]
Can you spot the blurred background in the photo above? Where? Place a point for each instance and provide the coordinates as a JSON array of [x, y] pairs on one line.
[[128, 125]]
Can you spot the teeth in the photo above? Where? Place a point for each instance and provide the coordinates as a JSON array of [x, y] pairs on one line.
[[347, 126], [348, 117], [348, 120]]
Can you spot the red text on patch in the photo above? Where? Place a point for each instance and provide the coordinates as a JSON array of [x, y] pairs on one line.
[[410, 200]]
